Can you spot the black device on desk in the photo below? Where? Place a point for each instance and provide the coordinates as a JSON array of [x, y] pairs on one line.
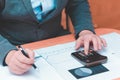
[[93, 58]]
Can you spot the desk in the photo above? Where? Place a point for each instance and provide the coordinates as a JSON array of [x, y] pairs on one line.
[[50, 42], [101, 31], [64, 39]]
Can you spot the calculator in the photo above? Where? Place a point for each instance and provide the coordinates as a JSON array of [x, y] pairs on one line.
[[91, 59]]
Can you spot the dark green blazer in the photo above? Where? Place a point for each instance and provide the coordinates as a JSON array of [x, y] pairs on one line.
[[19, 25]]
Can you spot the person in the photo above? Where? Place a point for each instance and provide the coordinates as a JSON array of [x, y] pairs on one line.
[[25, 21]]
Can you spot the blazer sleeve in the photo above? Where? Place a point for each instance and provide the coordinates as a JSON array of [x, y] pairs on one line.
[[5, 47], [80, 14]]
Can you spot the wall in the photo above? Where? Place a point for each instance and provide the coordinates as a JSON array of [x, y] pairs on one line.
[[105, 13]]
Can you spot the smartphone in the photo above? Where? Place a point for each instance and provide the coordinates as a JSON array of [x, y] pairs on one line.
[[93, 58]]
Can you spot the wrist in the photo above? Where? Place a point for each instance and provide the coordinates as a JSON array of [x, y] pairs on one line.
[[84, 32]]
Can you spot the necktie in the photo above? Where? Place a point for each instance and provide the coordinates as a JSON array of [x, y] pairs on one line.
[[42, 7], [38, 12]]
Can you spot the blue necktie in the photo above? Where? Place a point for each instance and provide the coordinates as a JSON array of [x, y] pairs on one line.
[[38, 12], [42, 7]]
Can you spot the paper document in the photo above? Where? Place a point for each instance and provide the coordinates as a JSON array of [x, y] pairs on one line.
[[59, 56], [46, 72]]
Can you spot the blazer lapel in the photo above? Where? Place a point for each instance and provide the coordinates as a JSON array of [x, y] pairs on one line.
[[28, 7], [58, 3]]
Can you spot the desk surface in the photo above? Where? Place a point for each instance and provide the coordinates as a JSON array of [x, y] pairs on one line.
[[64, 39], [50, 42]]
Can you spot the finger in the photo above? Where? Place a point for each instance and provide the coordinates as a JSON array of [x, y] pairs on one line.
[[15, 69], [104, 42], [23, 59], [100, 44], [18, 67], [86, 46], [30, 53], [95, 43], [22, 66], [79, 43]]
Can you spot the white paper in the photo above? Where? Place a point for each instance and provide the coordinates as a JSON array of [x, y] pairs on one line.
[[60, 58], [46, 72]]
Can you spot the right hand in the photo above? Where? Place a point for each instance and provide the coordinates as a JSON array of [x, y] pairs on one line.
[[18, 63]]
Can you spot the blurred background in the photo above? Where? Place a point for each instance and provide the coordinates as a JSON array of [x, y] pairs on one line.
[[105, 14]]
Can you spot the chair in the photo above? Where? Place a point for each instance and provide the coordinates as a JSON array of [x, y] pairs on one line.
[[66, 22]]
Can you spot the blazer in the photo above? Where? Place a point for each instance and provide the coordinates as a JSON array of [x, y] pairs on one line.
[[19, 25]]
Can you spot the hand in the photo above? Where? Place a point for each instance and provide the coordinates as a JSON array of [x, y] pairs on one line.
[[86, 38], [18, 63]]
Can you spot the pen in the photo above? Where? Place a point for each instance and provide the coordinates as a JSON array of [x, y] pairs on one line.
[[25, 54]]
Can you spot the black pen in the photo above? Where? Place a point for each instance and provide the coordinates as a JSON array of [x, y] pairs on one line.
[[25, 54]]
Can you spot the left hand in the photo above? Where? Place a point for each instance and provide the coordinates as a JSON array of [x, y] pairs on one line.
[[86, 38]]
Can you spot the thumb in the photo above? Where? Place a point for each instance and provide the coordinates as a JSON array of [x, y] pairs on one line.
[[30, 53]]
